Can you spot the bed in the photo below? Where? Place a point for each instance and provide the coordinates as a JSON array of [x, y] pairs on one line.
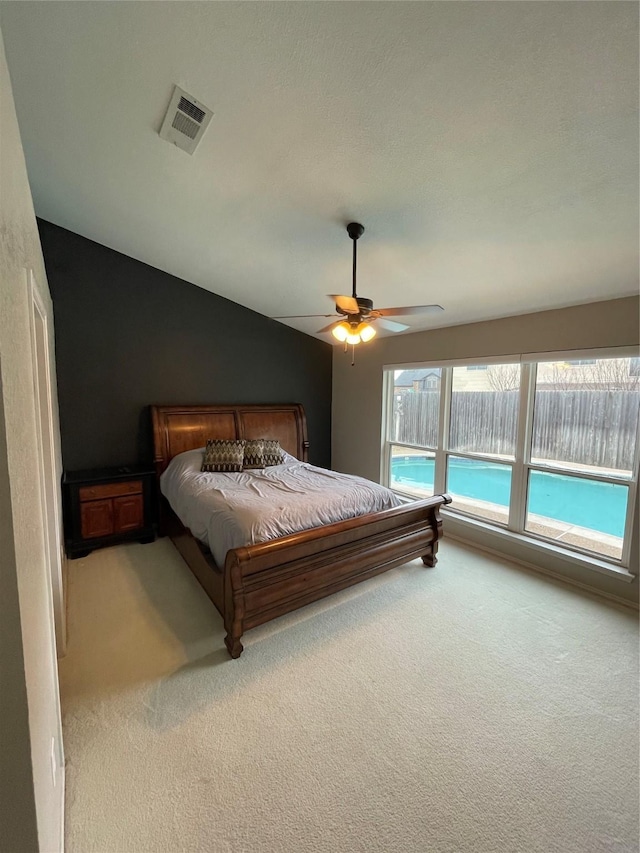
[[259, 582]]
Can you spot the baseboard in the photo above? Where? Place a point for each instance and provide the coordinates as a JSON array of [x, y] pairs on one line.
[[556, 576]]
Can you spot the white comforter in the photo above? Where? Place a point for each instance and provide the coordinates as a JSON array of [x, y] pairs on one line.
[[231, 510]]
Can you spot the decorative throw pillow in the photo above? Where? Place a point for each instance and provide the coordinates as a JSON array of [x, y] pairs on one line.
[[222, 454], [273, 454], [253, 453]]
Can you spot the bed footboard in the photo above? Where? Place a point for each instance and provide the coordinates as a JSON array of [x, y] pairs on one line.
[[264, 581]]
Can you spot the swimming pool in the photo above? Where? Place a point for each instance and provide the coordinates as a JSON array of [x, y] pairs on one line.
[[586, 503]]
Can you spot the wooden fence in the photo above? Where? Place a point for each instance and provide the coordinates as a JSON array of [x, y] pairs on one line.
[[584, 427]]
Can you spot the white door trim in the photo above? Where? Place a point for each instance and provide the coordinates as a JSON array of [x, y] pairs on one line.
[[50, 476]]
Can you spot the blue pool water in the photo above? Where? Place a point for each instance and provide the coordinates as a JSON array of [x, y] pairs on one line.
[[587, 503]]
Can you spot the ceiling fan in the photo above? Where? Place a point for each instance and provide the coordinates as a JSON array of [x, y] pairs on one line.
[[359, 311]]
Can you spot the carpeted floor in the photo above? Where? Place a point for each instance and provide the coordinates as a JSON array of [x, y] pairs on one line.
[[470, 707]]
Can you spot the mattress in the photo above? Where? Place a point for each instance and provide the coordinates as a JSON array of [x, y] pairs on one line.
[[226, 511]]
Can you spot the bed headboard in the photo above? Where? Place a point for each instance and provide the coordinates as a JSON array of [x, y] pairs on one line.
[[180, 428]]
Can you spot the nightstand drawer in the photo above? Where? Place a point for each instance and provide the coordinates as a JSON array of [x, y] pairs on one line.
[[110, 490]]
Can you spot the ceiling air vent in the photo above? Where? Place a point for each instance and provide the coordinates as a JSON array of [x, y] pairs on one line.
[[186, 121]]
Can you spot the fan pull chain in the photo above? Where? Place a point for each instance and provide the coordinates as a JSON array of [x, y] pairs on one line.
[[353, 354]]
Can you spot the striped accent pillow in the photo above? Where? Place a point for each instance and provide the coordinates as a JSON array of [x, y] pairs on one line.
[[273, 453], [223, 454], [253, 453]]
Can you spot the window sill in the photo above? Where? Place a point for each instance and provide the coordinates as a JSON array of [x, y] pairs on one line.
[[542, 548]]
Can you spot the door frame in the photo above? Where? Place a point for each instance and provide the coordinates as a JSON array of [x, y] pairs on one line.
[[48, 463]]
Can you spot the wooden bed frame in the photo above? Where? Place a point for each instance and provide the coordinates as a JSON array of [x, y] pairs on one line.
[[261, 582]]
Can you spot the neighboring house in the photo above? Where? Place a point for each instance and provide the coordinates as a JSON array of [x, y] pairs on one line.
[[417, 380]]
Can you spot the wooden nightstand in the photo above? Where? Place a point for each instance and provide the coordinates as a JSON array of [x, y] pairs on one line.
[[104, 506]]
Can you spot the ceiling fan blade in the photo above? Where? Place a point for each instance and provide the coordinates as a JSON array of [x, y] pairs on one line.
[[325, 329], [391, 325], [347, 303], [301, 316], [409, 309]]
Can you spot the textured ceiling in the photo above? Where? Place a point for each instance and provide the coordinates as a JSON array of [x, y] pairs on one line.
[[490, 149]]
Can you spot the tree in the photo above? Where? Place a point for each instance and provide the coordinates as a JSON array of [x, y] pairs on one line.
[[603, 374], [504, 377]]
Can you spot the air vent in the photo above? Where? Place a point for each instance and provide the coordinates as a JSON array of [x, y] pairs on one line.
[[185, 122]]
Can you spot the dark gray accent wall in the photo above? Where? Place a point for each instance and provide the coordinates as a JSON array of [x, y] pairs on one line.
[[129, 335]]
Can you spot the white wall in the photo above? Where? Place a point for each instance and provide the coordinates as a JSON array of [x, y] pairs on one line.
[[357, 391], [31, 802]]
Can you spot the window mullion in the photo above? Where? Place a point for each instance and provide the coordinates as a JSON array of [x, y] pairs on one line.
[[408, 444], [387, 427], [440, 469], [518, 502], [632, 497], [579, 473]]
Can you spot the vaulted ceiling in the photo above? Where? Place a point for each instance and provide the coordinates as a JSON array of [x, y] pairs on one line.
[[490, 149]]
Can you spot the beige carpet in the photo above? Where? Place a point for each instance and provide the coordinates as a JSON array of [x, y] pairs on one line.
[[470, 707]]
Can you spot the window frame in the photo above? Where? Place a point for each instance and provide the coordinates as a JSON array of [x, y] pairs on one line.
[[521, 464]]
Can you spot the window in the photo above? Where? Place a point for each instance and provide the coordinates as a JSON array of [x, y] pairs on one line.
[[415, 415], [480, 487], [584, 422], [484, 414], [586, 419], [414, 434], [545, 449], [482, 426], [412, 471]]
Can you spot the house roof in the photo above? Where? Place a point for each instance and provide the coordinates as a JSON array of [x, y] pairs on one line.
[[408, 377], [488, 148]]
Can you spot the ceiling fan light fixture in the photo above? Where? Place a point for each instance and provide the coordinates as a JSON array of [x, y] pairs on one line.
[[367, 333], [353, 338], [341, 332]]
